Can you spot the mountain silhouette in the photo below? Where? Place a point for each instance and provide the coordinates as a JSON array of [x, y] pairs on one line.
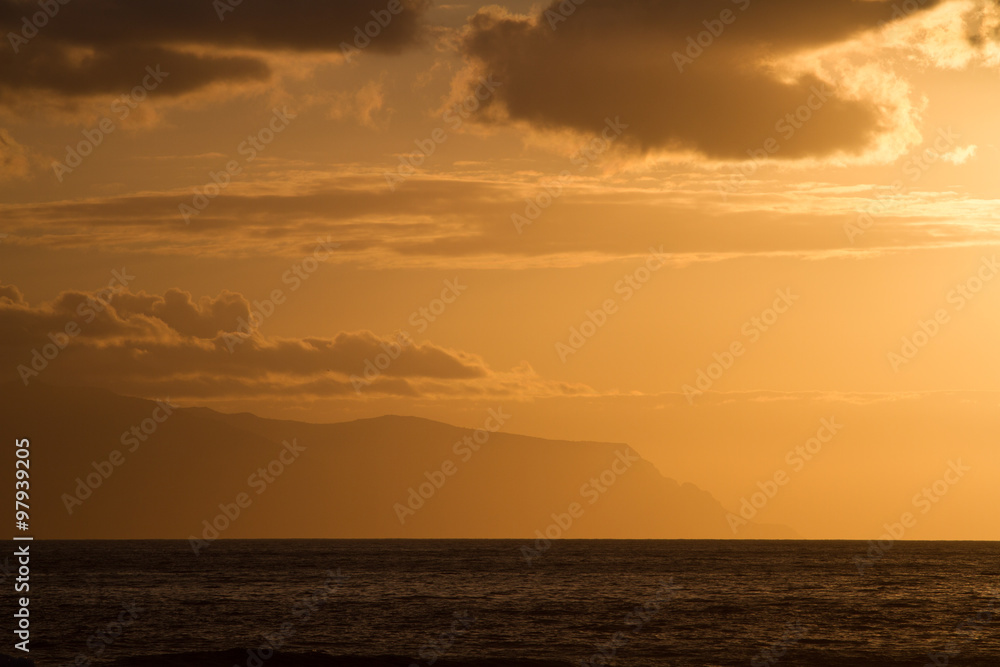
[[105, 466]]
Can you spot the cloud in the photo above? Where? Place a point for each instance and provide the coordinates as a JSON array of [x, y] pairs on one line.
[[364, 105], [954, 36], [204, 318], [60, 70], [641, 62], [960, 155], [15, 159], [212, 346], [449, 222], [11, 294], [89, 48]]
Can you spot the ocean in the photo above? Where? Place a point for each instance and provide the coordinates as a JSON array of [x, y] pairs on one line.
[[492, 603]]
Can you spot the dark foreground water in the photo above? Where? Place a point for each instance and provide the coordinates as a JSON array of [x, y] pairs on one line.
[[447, 603]]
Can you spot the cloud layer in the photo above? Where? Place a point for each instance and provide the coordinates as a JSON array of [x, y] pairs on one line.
[[450, 222], [137, 343], [91, 48]]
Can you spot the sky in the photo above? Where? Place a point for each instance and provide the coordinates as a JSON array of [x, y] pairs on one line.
[[701, 228]]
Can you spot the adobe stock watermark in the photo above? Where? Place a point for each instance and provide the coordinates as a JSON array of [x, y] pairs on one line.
[[924, 500], [973, 628], [465, 448], [421, 318], [302, 610], [772, 655], [698, 44], [31, 25], [105, 468], [438, 647], [595, 320], [787, 127], [294, 277], [634, 621], [121, 108], [363, 37], [913, 170], [249, 148], [752, 329], [223, 7], [259, 481], [562, 12], [454, 117], [591, 491], [903, 10], [60, 340], [797, 459], [959, 297], [587, 154]]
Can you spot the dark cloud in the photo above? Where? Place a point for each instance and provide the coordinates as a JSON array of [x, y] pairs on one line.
[[204, 318], [53, 68], [175, 343], [102, 46], [616, 59], [11, 294]]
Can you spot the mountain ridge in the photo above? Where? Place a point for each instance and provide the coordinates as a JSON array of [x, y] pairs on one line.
[[129, 467]]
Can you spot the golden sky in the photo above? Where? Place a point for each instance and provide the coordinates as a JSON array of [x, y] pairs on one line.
[[696, 227]]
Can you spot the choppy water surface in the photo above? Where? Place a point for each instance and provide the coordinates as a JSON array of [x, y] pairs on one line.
[[626, 603]]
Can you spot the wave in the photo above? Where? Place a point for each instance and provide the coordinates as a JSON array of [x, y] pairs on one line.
[[809, 657], [253, 658]]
